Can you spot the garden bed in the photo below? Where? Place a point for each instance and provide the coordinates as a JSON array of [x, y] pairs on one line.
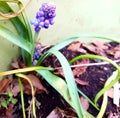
[[90, 76]]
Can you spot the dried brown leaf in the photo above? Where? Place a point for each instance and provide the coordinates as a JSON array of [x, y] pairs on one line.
[[36, 83], [59, 72], [9, 110], [4, 85], [117, 48], [114, 51], [82, 50], [90, 47], [117, 54], [84, 102], [15, 87], [22, 65], [39, 88], [59, 113], [15, 65], [112, 115], [77, 71], [100, 44], [16, 90], [81, 82], [74, 46], [55, 114], [97, 47]]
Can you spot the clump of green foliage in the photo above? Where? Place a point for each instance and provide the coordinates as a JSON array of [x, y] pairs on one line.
[[8, 99], [25, 39]]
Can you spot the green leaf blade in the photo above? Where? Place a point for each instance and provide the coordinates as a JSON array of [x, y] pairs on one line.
[[16, 39], [56, 82], [70, 82], [19, 26]]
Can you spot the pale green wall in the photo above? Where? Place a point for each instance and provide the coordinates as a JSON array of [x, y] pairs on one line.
[[8, 51], [73, 17], [80, 16]]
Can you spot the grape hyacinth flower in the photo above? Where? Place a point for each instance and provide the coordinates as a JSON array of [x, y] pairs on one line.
[[44, 17], [37, 53]]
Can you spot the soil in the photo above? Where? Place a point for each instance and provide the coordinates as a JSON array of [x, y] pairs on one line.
[[95, 76]]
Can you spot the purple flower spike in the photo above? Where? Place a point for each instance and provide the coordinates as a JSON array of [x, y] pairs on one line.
[[44, 17]]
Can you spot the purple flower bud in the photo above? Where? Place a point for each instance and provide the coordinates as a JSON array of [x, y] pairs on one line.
[[34, 62], [49, 10], [36, 55], [41, 13], [44, 17], [38, 47], [51, 21], [46, 26], [42, 24], [32, 22], [37, 29], [36, 24], [51, 15], [47, 22], [37, 15], [41, 19]]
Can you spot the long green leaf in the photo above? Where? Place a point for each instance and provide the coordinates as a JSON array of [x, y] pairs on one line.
[[105, 59], [57, 83], [60, 85], [22, 97], [90, 101], [16, 39], [29, 34], [27, 23], [22, 27], [10, 1], [32, 92], [105, 97], [22, 70], [100, 93], [91, 56], [70, 82], [5, 8]]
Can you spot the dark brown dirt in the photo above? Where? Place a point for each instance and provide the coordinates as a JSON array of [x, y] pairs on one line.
[[94, 75]]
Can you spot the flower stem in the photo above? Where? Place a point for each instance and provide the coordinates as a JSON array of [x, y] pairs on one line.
[[22, 97]]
